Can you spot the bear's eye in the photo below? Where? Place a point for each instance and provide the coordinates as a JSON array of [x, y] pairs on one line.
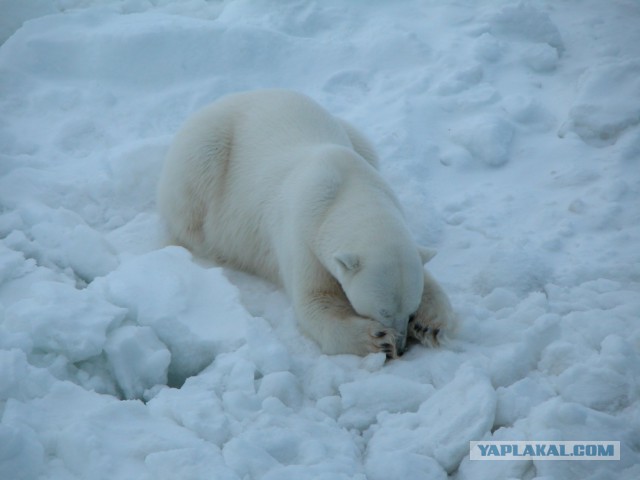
[[412, 318]]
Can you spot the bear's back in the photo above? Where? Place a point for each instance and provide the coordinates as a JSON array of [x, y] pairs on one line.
[[273, 121]]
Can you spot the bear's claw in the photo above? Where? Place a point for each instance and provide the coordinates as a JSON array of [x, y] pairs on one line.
[[384, 341], [435, 319], [424, 334]]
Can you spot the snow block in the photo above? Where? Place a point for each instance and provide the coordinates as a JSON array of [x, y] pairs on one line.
[[525, 22], [488, 139], [519, 268], [363, 400], [138, 359], [606, 104], [63, 320], [19, 380], [435, 430], [193, 310], [283, 386], [21, 454]]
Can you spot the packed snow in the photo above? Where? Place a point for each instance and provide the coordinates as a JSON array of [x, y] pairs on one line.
[[510, 132]]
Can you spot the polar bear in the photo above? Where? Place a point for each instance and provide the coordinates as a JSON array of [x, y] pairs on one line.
[[270, 183]]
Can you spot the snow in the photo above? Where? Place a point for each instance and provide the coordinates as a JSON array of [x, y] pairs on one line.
[[510, 131], [600, 114]]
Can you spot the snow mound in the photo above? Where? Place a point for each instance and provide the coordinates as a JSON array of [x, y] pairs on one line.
[[487, 139], [51, 317], [166, 291], [526, 23], [605, 104], [138, 359], [432, 431]]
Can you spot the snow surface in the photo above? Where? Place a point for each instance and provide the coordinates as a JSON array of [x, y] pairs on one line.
[[511, 133]]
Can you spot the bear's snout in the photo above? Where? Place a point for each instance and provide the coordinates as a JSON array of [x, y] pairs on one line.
[[401, 343]]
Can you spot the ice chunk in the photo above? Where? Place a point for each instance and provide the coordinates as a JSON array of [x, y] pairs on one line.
[[541, 58], [138, 359], [194, 311], [488, 48], [247, 459], [283, 446], [390, 465], [519, 268], [439, 429], [325, 377], [556, 419], [21, 453], [193, 463], [87, 431], [20, 380], [282, 385], [195, 407], [60, 238], [12, 264], [607, 381], [14, 14], [362, 400], [514, 361], [460, 80], [517, 400], [266, 350], [61, 319], [89, 254], [526, 22], [606, 103], [488, 139], [500, 298], [594, 386], [474, 470], [528, 111]]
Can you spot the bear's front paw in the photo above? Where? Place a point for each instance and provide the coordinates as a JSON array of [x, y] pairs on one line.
[[433, 321], [383, 339], [426, 334]]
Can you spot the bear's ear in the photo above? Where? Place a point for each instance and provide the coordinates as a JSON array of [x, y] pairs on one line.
[[426, 254], [348, 261]]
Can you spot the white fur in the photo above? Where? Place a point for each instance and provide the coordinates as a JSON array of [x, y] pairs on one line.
[[271, 183]]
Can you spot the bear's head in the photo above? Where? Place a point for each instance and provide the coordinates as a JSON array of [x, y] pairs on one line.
[[387, 288]]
